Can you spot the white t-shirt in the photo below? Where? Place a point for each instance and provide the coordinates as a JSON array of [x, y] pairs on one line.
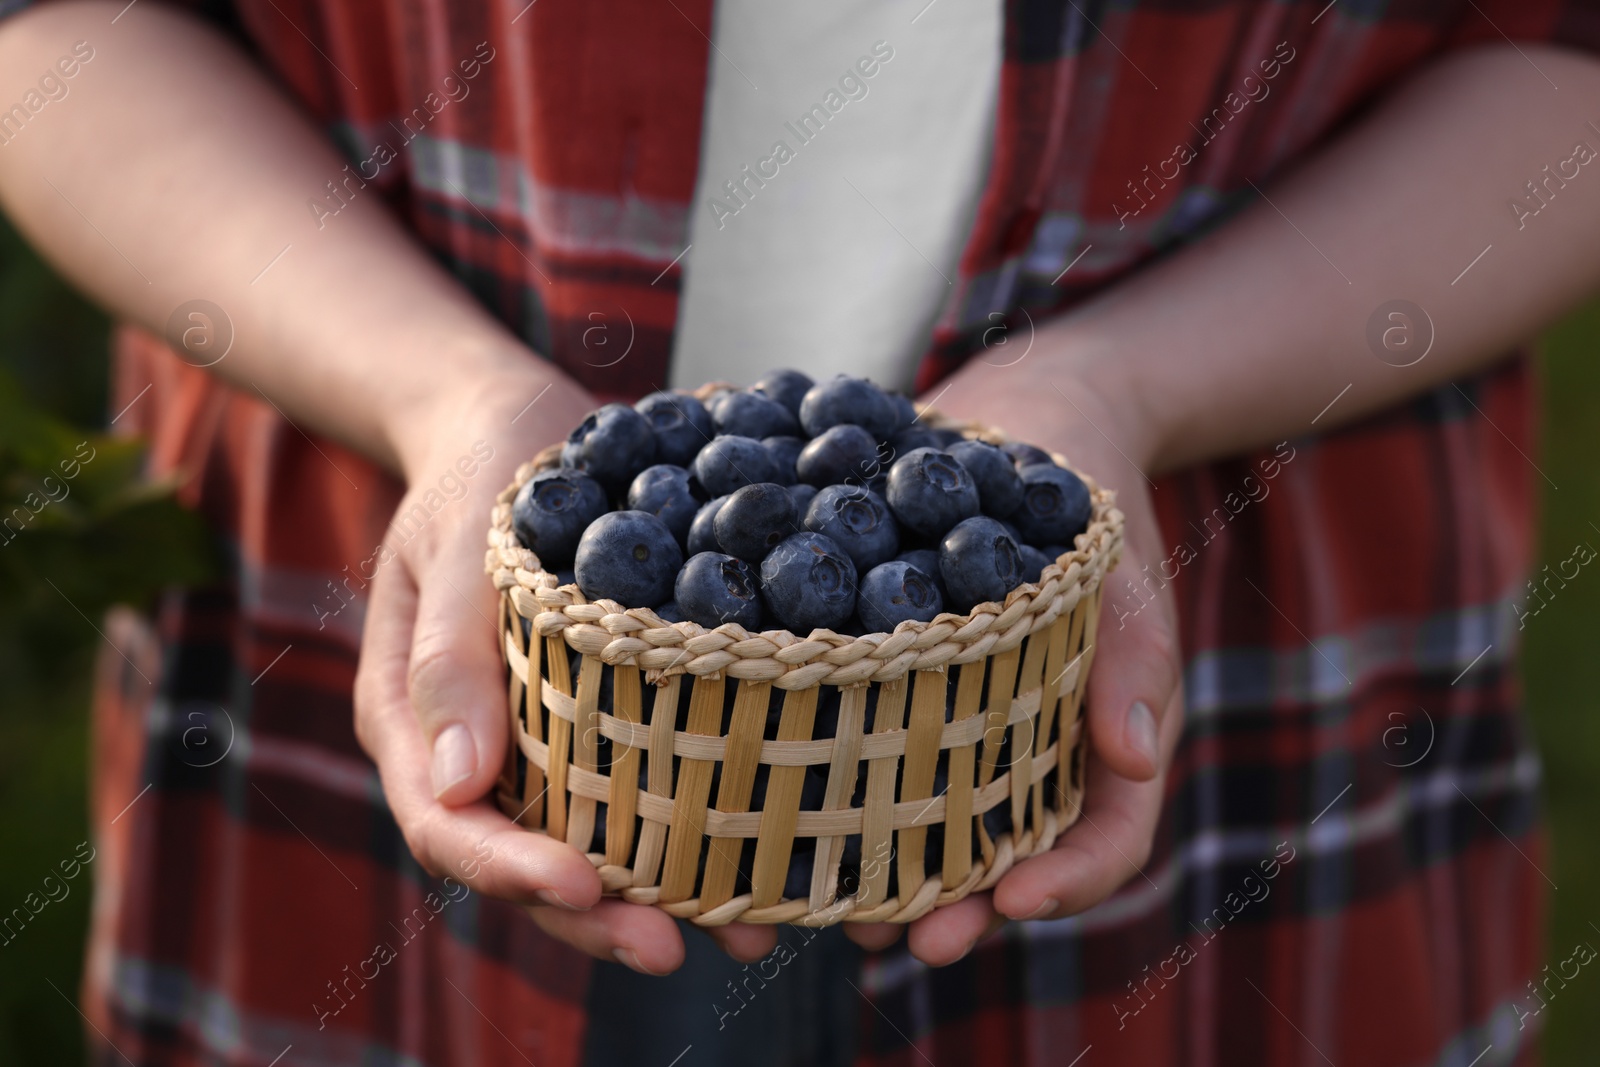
[[844, 149]]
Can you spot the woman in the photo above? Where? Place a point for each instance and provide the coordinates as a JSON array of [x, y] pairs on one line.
[[1259, 269]]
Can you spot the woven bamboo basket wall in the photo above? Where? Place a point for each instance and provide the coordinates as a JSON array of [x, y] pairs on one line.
[[662, 732]]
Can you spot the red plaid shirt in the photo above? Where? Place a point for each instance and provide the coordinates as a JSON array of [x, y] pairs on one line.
[[1401, 929]]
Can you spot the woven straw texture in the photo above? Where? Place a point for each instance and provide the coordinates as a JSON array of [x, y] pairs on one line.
[[657, 714]]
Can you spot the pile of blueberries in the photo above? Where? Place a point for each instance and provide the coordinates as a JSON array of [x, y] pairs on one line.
[[798, 504]]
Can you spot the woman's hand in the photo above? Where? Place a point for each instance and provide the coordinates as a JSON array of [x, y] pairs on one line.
[[430, 699], [1258, 332], [355, 335], [1134, 698]]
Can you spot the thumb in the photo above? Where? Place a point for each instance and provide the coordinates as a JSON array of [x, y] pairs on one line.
[[1135, 675], [455, 674]]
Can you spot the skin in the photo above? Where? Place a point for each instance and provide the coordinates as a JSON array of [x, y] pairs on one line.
[[1238, 341]]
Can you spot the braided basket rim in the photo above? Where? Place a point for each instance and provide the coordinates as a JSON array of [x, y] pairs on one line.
[[535, 595]]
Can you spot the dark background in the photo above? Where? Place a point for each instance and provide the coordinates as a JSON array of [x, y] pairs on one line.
[[113, 539]]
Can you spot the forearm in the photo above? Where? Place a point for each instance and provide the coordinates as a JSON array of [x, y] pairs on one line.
[[1247, 336], [174, 170]]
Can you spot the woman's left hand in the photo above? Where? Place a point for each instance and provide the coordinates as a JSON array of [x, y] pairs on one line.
[[1134, 697]]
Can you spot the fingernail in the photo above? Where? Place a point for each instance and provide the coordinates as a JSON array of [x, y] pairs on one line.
[[552, 898], [630, 959], [454, 757], [1139, 731], [1050, 904]]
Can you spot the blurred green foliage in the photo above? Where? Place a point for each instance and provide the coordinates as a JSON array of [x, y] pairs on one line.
[[54, 344], [71, 495], [1561, 672], [112, 539], [79, 531]]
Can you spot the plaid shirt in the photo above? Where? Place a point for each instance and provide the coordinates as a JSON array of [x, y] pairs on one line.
[[1346, 868]]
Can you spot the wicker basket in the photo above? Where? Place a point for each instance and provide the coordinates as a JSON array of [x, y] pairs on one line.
[[588, 740]]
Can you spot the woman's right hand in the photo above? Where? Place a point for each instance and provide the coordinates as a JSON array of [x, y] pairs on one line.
[[430, 694]]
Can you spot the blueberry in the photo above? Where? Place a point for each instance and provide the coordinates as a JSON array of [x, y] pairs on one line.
[[999, 487], [949, 437], [665, 492], [754, 520], [612, 445], [926, 560], [1055, 505], [929, 492], [1033, 562], [755, 415], [1025, 455], [670, 612], [858, 520], [566, 577], [630, 557], [785, 452], [979, 562], [681, 423], [787, 387], [913, 437], [843, 453], [896, 591], [845, 399], [809, 583], [730, 462], [803, 495], [713, 589], [551, 511], [905, 411], [702, 531]]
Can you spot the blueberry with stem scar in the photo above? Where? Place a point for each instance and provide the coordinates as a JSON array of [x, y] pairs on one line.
[[1055, 505], [612, 445], [929, 492], [630, 557], [999, 485], [979, 562], [809, 583], [551, 511], [926, 560], [713, 589], [858, 520], [894, 592]]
